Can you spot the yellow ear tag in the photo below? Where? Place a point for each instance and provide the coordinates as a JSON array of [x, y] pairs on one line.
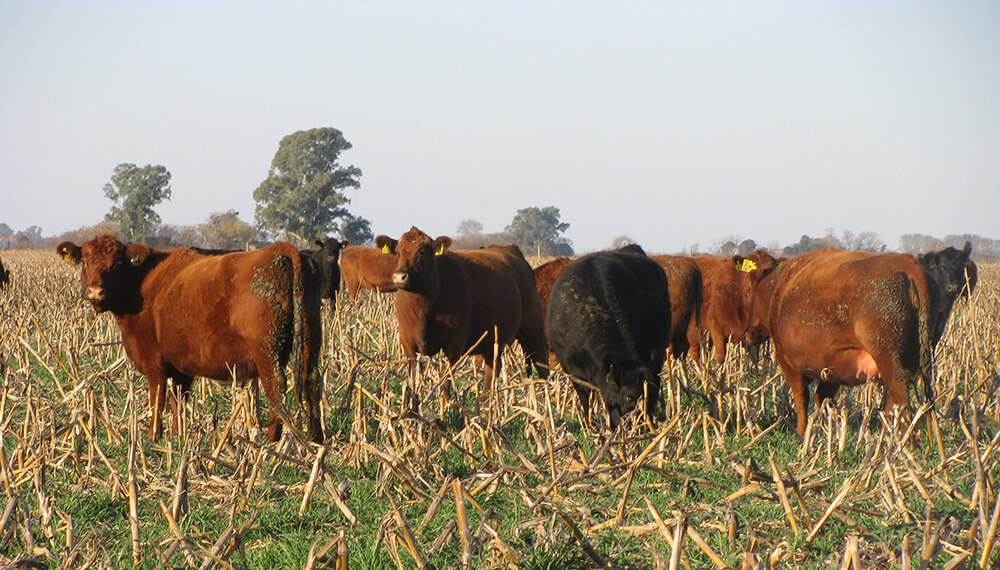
[[748, 266], [440, 250], [385, 249]]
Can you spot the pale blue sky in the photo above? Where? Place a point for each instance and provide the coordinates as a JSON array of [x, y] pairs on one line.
[[674, 123]]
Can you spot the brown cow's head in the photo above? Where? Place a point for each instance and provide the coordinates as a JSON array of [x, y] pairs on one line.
[[415, 254], [106, 263]]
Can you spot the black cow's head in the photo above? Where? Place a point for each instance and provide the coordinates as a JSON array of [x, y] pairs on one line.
[[946, 273], [106, 265], [626, 386]]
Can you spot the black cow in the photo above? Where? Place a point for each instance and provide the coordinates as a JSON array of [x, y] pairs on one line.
[[947, 270], [327, 258], [4, 276], [609, 324]]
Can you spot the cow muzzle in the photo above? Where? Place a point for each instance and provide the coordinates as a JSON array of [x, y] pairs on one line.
[[94, 293], [400, 279]]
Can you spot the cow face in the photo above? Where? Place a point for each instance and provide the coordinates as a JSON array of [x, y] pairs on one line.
[[415, 260], [946, 270], [947, 267], [105, 265], [621, 397], [331, 248]]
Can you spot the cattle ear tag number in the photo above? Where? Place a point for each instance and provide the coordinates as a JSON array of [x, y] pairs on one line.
[[747, 266], [385, 249]]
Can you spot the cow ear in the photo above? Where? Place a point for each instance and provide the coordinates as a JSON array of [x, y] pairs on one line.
[[441, 244], [344, 244], [70, 252], [319, 243], [743, 264], [385, 243], [967, 250], [137, 253]]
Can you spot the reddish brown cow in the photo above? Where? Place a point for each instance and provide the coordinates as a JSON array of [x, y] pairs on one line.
[[728, 287], [446, 302], [234, 316], [371, 267], [545, 275], [843, 318], [686, 297]]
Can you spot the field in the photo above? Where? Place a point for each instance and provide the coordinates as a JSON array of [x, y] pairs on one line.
[[448, 477]]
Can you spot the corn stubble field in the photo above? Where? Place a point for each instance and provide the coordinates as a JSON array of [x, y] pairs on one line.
[[448, 477]]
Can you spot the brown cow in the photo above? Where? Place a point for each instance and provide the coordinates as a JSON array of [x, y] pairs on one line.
[[728, 287], [371, 267], [686, 297], [545, 275], [843, 318], [183, 314], [446, 302]]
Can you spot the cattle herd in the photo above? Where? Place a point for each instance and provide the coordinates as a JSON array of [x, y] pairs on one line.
[[610, 318]]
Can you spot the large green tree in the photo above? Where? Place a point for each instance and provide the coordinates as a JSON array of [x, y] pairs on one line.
[[538, 229], [304, 190], [134, 191]]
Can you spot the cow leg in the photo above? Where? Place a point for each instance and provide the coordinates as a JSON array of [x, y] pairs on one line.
[[157, 403], [797, 383], [719, 346], [274, 382], [825, 391], [179, 390], [694, 340]]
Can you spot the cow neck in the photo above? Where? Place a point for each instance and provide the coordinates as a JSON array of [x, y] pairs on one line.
[[134, 295]]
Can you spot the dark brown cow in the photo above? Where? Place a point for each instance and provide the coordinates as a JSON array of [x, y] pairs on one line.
[[326, 258], [371, 267], [686, 297], [843, 318], [182, 314], [728, 287], [447, 301]]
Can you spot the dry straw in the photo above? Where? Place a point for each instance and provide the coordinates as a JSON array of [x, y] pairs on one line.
[[501, 479]]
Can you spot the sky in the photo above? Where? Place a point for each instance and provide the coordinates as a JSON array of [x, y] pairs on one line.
[[677, 124]]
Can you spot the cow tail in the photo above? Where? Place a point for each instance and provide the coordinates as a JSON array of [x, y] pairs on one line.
[[926, 348]]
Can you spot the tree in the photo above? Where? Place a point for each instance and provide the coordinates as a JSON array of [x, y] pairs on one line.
[[5, 230], [537, 230], [225, 230], [469, 227], [134, 191], [357, 231], [303, 191]]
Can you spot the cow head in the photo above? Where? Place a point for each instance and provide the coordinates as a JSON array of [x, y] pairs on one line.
[[415, 259], [946, 271], [106, 263], [763, 280], [625, 386], [331, 248]]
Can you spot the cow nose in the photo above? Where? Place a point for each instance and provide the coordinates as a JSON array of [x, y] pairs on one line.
[[399, 278], [94, 293]]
